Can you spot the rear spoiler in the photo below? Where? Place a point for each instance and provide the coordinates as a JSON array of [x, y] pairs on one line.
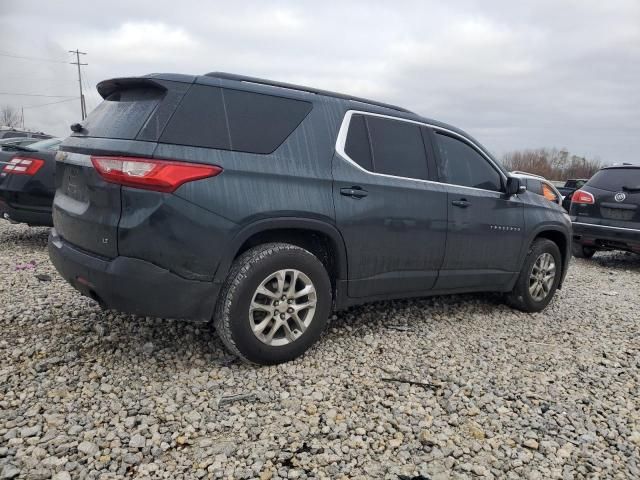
[[107, 87]]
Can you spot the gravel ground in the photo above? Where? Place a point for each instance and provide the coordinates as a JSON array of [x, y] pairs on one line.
[[457, 387]]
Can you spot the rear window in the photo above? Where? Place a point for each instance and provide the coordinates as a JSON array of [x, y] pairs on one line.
[[615, 178], [235, 120], [123, 113], [46, 145]]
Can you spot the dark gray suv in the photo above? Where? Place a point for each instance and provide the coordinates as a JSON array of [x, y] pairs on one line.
[[265, 206]]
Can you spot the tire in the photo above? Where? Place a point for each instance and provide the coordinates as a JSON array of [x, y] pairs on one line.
[[235, 318], [580, 251], [521, 296]]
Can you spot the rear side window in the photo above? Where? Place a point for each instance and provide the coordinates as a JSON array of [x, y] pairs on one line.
[[390, 147], [123, 113], [357, 144], [234, 120], [397, 148], [615, 179], [461, 164]]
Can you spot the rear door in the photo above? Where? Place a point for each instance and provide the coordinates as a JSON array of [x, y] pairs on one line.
[[616, 193], [393, 219], [485, 227], [86, 208]]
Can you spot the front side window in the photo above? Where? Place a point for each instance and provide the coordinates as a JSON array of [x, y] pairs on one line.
[[461, 164], [386, 146]]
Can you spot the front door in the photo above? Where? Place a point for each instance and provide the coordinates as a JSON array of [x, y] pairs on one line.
[[392, 219], [485, 227]]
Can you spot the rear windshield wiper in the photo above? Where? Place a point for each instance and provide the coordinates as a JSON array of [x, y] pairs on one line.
[[635, 188]]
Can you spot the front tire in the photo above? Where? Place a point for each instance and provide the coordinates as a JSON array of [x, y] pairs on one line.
[[274, 305], [539, 277], [580, 251]]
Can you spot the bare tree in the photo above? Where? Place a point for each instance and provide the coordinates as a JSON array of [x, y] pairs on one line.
[[552, 163], [9, 116]]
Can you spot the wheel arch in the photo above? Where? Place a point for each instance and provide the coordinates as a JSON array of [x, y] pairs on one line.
[[319, 237], [561, 238]]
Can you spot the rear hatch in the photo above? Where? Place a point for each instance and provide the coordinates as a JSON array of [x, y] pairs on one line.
[[616, 193], [128, 122]]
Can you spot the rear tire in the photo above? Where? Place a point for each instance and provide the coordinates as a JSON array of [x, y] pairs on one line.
[[535, 288], [580, 251], [263, 314]]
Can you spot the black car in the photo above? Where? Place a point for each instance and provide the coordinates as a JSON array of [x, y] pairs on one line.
[[606, 212], [27, 184], [266, 205]]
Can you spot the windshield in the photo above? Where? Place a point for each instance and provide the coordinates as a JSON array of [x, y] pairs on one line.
[[48, 144]]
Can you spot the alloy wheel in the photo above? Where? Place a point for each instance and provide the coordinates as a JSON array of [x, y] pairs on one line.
[[542, 276], [282, 307]]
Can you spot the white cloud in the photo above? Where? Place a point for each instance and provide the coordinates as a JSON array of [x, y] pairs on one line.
[[513, 74], [137, 42]]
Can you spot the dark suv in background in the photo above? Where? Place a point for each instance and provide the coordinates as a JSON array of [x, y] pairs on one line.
[[606, 212], [265, 206]]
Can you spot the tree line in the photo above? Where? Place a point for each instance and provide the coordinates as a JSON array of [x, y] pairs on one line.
[[551, 163]]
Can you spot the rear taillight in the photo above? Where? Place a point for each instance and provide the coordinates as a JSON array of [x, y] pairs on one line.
[[23, 166], [582, 197], [151, 174]]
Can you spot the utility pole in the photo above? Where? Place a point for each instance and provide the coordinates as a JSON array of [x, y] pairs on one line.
[[22, 117], [83, 108]]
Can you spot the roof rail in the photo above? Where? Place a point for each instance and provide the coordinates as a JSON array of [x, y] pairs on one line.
[[291, 86], [520, 172]]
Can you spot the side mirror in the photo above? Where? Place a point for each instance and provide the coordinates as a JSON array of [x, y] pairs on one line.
[[514, 186]]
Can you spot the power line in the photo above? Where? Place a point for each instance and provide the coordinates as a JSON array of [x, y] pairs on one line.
[[50, 103], [37, 95], [34, 59]]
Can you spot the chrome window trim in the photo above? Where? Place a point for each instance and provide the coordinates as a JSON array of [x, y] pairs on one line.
[[606, 227], [342, 140]]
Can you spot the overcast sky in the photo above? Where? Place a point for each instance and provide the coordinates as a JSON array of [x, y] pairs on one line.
[[545, 73]]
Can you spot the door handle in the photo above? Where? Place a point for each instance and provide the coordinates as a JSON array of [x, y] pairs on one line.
[[353, 192], [462, 203]]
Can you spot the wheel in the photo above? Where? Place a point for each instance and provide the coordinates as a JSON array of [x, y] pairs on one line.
[[538, 278], [274, 304], [580, 251]]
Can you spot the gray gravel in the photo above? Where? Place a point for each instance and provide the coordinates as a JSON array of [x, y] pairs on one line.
[[459, 387]]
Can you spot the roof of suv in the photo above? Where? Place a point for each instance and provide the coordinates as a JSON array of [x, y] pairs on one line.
[[295, 91], [362, 103], [626, 165]]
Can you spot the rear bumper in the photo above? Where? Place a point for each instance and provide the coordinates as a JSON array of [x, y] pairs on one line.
[[30, 216], [603, 236], [132, 285]]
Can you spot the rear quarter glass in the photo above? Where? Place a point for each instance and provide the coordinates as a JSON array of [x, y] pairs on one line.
[[237, 120]]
